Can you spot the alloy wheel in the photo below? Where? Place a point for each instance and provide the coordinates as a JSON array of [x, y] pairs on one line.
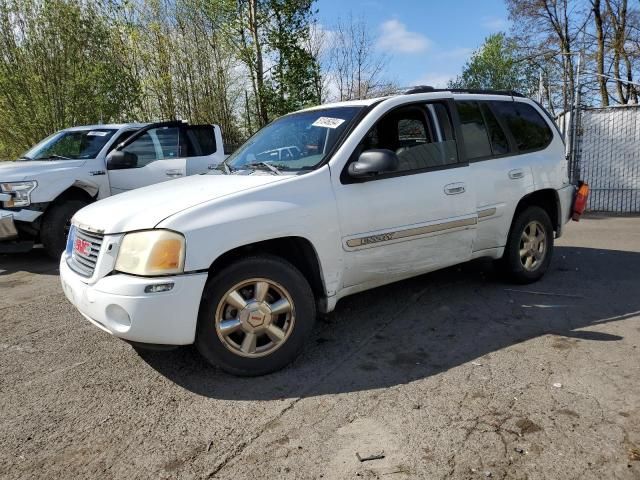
[[255, 317], [533, 246]]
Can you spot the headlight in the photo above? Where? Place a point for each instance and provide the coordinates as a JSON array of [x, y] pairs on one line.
[[19, 191], [152, 252]]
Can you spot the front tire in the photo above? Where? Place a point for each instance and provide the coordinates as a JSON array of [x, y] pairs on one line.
[[255, 316], [55, 226], [529, 248]]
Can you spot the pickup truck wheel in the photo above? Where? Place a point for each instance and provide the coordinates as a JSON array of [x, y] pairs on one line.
[[255, 316], [55, 226], [530, 246]]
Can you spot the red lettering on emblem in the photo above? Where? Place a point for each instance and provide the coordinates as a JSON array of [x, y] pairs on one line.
[[81, 246]]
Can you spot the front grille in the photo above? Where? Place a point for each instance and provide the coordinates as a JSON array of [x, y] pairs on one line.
[[85, 264]]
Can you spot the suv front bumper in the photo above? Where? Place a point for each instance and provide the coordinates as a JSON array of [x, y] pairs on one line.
[[119, 305]]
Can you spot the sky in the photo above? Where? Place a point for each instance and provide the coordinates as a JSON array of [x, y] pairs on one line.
[[428, 40]]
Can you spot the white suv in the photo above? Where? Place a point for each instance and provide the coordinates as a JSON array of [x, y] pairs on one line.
[[239, 261]]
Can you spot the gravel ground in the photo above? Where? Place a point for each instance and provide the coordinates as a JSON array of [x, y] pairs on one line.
[[455, 374]]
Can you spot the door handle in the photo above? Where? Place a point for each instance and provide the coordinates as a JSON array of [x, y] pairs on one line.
[[173, 173], [454, 188], [212, 166], [516, 174]]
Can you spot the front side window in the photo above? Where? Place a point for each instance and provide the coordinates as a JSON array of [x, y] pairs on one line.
[[421, 137], [121, 138], [154, 144], [71, 145], [310, 134], [168, 141], [529, 130], [474, 130]]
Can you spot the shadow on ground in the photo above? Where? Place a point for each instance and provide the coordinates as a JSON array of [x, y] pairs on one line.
[[421, 327], [34, 261]]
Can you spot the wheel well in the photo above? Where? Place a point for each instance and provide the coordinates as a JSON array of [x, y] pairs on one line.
[[74, 193], [296, 250], [546, 199], [71, 193]]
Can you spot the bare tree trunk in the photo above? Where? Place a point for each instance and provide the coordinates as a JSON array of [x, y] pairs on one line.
[[618, 17], [600, 50], [259, 63]]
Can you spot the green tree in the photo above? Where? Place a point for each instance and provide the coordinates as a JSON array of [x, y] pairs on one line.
[[271, 38], [58, 68], [495, 66], [295, 75]]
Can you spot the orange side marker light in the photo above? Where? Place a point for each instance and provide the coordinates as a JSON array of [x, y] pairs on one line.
[[580, 202]]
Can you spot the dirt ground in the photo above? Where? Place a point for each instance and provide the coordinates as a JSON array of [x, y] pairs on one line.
[[455, 374]]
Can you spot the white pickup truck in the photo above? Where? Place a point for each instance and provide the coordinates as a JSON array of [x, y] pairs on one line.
[[41, 191], [239, 261]]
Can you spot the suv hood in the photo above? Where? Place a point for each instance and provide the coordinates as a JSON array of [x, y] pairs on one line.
[[33, 169], [145, 207]]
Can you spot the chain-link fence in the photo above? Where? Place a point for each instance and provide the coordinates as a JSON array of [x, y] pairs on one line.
[[607, 157]]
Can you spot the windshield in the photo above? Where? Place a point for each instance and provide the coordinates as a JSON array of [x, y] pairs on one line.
[[295, 142], [71, 145]]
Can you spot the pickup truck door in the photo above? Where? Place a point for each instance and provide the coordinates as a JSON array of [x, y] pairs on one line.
[[155, 155], [419, 218]]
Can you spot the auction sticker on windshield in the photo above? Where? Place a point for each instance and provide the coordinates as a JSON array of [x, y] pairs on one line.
[[328, 122]]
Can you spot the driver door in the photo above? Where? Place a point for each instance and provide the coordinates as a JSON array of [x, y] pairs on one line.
[[156, 157], [416, 219]]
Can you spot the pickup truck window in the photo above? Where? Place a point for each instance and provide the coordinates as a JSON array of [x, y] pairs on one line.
[[121, 138], [296, 142], [71, 145], [200, 140], [155, 144]]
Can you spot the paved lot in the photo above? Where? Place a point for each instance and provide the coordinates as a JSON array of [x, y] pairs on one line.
[[453, 375]]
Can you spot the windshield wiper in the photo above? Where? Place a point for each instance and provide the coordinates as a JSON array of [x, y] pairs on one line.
[[24, 157], [264, 164], [56, 157], [223, 167]]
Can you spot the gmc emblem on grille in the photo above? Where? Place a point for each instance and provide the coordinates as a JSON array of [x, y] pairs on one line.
[[81, 246]]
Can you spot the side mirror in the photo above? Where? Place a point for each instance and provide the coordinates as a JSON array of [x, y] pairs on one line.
[[374, 162], [119, 160]]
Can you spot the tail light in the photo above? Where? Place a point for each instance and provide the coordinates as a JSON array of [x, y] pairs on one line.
[[580, 202]]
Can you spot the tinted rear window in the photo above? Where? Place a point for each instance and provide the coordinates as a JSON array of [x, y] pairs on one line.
[[474, 131], [499, 142], [201, 140], [529, 130]]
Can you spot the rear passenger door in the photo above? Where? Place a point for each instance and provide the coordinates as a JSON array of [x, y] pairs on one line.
[[500, 163], [199, 146], [413, 220]]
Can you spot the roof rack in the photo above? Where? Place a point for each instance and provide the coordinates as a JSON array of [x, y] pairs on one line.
[[430, 89]]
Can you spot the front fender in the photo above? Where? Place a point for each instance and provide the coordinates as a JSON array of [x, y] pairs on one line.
[[301, 207], [49, 189]]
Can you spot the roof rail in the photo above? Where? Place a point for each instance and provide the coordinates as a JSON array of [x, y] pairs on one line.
[[429, 89]]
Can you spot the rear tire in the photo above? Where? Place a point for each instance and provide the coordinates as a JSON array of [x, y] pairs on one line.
[[529, 248], [255, 316], [55, 226]]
